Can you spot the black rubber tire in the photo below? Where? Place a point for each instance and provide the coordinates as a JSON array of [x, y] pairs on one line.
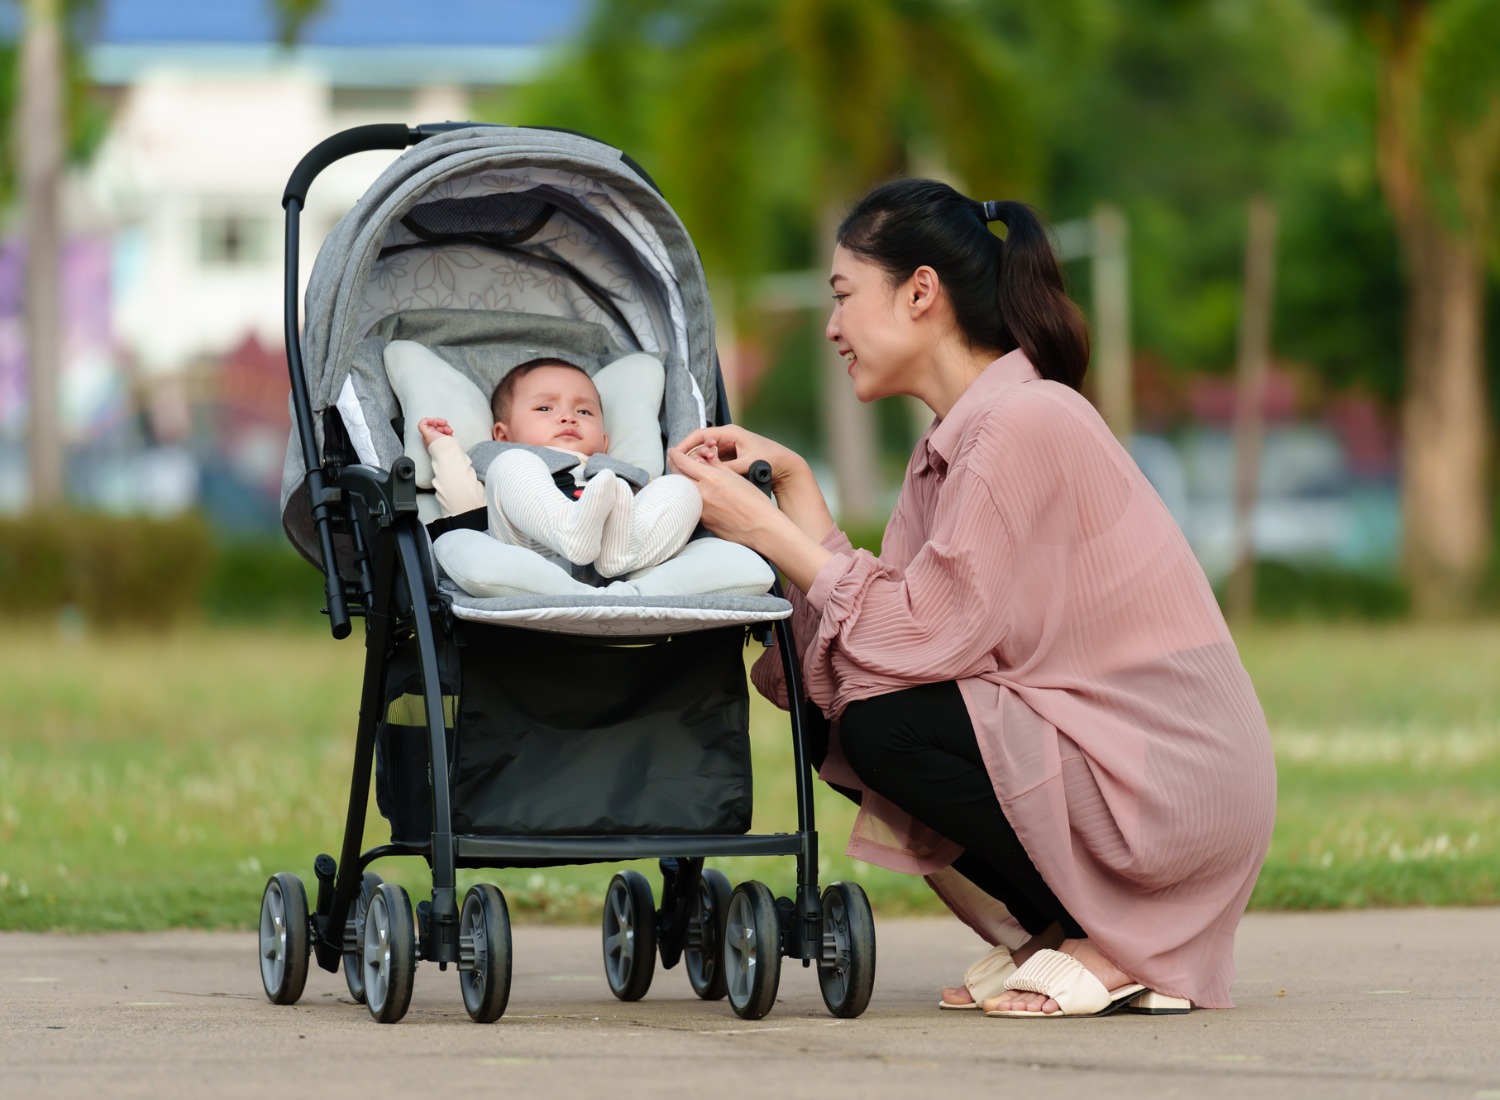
[[703, 956], [484, 922], [388, 954], [846, 972], [354, 975], [285, 938], [629, 934], [751, 957]]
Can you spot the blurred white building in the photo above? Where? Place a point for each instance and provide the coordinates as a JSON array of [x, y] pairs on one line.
[[208, 123], [208, 116]]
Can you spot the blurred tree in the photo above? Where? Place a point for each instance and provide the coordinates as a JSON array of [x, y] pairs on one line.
[[35, 130], [1180, 112], [84, 119], [292, 15], [1438, 151], [763, 119]]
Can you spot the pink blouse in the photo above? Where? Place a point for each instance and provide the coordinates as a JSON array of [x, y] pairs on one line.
[[1029, 560]]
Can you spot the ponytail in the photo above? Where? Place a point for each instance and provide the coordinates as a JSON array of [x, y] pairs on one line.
[[1005, 293], [1036, 313]]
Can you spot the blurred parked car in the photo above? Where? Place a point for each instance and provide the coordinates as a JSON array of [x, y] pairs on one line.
[[1311, 508]]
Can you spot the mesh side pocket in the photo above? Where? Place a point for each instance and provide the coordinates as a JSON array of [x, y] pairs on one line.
[[403, 773]]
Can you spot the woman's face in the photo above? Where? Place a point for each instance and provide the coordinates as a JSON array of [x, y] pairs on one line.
[[872, 327]]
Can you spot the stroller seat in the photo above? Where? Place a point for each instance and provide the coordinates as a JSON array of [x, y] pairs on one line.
[[447, 361]]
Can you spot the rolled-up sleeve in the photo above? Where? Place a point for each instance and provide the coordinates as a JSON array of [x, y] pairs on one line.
[[881, 628], [767, 673]]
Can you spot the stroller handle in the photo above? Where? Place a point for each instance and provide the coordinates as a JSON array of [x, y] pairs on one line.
[[357, 139]]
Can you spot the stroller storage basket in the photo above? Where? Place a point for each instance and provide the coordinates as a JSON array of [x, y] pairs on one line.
[[558, 735]]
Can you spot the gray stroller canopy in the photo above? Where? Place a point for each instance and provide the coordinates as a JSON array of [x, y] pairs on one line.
[[507, 221]]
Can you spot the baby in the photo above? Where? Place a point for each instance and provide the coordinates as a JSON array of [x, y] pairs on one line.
[[600, 522]]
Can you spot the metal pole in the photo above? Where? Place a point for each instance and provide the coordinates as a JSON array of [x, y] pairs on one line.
[[1250, 388]]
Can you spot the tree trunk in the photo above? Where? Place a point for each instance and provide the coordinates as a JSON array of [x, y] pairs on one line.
[[1445, 427], [1444, 418], [40, 132]]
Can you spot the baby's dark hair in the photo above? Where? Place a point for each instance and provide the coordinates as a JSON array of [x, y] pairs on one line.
[[505, 389]]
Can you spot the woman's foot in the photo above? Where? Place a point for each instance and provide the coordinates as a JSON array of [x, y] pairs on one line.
[[960, 996], [1090, 957]]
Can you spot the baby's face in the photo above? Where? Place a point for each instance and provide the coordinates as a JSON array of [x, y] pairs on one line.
[[556, 407]]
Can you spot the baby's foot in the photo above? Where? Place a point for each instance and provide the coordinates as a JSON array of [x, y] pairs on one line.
[[574, 528], [615, 545], [646, 529]]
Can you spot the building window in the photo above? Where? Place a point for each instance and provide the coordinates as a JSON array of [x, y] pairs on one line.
[[233, 240]]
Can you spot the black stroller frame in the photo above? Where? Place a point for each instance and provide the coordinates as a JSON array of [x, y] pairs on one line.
[[360, 922]]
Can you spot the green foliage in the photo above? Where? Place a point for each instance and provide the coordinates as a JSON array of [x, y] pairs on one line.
[[758, 119], [1461, 105], [1320, 594], [255, 581], [115, 572], [1184, 112], [753, 115]]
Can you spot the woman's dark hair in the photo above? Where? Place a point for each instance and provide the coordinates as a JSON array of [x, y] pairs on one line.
[[1005, 293]]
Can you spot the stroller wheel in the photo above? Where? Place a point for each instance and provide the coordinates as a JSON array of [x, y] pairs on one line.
[[484, 953], [846, 970], [705, 934], [388, 954], [285, 938], [752, 950], [354, 934], [629, 936]]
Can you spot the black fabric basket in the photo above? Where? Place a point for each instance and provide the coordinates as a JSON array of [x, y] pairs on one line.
[[559, 735]]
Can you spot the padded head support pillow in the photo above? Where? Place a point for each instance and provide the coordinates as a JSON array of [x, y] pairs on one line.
[[630, 389]]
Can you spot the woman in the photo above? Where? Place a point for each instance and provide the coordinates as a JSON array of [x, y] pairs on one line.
[[1031, 690]]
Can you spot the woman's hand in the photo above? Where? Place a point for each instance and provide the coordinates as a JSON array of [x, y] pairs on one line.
[[737, 449], [734, 449], [735, 509]]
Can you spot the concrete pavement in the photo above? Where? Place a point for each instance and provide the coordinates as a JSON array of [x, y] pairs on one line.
[[1364, 1004]]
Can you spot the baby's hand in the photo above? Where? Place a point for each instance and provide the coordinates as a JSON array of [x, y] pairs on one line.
[[432, 427], [706, 452]]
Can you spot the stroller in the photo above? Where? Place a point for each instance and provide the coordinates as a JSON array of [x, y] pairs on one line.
[[489, 246]]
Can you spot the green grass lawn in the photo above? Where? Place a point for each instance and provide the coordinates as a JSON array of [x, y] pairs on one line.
[[151, 782]]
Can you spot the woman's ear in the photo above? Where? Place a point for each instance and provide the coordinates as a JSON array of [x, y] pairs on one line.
[[499, 432], [922, 290]]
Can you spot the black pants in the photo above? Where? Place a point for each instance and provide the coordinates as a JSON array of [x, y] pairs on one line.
[[917, 749]]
